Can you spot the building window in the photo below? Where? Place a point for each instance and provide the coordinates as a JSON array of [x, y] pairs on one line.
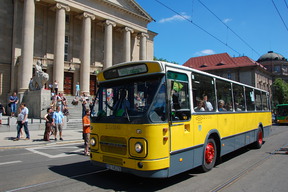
[[229, 75], [66, 48], [277, 69]]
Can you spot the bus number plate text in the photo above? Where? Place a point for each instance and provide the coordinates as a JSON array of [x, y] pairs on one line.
[[113, 167]]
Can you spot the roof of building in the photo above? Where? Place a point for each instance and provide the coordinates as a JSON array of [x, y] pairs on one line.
[[270, 56], [220, 61]]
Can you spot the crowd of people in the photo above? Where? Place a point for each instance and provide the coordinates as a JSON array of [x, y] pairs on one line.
[[54, 118]]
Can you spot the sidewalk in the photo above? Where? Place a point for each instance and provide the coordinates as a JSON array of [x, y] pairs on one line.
[[36, 130]]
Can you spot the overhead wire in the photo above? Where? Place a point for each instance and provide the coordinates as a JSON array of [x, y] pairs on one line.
[[228, 27], [201, 28], [280, 14], [286, 4]]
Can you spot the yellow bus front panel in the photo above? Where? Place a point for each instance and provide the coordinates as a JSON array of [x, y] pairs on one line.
[[116, 143]]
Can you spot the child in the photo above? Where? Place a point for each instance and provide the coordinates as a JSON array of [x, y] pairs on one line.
[[86, 131], [2, 110]]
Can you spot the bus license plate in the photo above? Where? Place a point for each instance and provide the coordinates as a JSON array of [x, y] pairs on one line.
[[113, 167]]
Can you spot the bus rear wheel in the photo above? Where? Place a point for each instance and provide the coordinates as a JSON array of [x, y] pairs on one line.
[[259, 139], [210, 155]]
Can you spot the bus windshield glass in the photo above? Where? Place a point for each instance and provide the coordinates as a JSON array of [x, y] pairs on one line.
[[125, 101], [282, 110]]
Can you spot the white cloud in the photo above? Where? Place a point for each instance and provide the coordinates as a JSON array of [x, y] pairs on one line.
[[205, 52], [227, 20], [181, 17]]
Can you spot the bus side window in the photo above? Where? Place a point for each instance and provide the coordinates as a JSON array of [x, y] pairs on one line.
[[203, 92], [258, 100], [265, 101], [239, 100], [224, 95], [250, 99]]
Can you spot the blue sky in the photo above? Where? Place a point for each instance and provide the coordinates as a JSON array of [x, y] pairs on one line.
[[256, 22]]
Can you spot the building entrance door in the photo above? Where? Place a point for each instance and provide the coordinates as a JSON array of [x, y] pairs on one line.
[[68, 83]]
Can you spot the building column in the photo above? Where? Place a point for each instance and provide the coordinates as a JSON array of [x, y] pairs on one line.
[[143, 46], [86, 53], [26, 62], [59, 43], [108, 46], [127, 43]]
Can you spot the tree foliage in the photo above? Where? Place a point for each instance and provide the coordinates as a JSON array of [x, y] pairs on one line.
[[165, 60], [280, 91]]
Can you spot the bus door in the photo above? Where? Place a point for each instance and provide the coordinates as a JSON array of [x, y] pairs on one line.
[[179, 110]]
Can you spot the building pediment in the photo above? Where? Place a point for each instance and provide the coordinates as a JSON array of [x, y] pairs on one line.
[[124, 12], [130, 6]]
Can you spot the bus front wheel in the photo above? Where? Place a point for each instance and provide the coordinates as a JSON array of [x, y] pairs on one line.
[[210, 155]]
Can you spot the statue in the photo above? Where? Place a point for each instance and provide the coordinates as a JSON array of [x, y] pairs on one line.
[[39, 79]]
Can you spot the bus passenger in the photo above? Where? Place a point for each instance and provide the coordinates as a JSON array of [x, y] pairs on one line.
[[207, 105], [229, 107], [221, 104], [200, 106]]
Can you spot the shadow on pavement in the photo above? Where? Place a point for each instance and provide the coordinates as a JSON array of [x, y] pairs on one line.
[[116, 181]]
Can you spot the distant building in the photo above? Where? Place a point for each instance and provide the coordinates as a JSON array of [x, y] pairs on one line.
[[241, 69], [72, 39], [276, 64]]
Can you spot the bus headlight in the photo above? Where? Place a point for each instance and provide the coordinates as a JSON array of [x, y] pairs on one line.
[[93, 141], [138, 147]]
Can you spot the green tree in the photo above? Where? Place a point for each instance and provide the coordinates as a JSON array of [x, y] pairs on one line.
[[280, 91], [165, 60]]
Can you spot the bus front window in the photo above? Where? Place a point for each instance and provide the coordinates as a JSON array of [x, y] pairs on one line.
[[126, 101]]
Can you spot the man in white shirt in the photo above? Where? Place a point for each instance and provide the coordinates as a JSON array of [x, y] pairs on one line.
[[22, 120], [207, 105]]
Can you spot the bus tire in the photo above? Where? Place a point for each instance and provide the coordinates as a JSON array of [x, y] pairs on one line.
[[259, 139], [210, 155]]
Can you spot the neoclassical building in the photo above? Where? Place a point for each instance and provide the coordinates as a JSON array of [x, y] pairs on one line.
[[73, 39]]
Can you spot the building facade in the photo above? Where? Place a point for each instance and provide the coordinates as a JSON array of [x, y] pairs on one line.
[[73, 40], [241, 69], [276, 64]]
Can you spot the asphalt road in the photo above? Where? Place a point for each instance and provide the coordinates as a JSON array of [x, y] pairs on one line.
[[64, 168]]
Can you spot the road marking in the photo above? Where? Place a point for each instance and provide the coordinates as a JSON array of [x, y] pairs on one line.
[[36, 150], [10, 162], [54, 181]]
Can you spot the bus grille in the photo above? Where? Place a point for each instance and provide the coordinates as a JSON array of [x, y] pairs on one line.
[[116, 145], [112, 160]]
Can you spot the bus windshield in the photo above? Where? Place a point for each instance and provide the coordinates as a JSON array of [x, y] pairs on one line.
[[125, 101], [282, 110]]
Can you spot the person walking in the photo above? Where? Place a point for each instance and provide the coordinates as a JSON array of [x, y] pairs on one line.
[[22, 120], [86, 131], [55, 87], [48, 124], [58, 122], [77, 90], [2, 111], [13, 100]]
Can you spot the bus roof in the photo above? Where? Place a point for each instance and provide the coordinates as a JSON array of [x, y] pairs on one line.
[[159, 67]]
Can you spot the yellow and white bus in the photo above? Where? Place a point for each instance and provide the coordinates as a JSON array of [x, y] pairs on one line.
[[157, 119]]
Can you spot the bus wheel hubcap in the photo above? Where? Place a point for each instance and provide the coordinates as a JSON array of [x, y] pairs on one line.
[[209, 153], [260, 137]]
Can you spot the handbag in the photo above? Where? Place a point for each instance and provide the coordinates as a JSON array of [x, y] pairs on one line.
[[9, 104]]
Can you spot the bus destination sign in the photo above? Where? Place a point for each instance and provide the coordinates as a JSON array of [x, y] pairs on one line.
[[125, 71]]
